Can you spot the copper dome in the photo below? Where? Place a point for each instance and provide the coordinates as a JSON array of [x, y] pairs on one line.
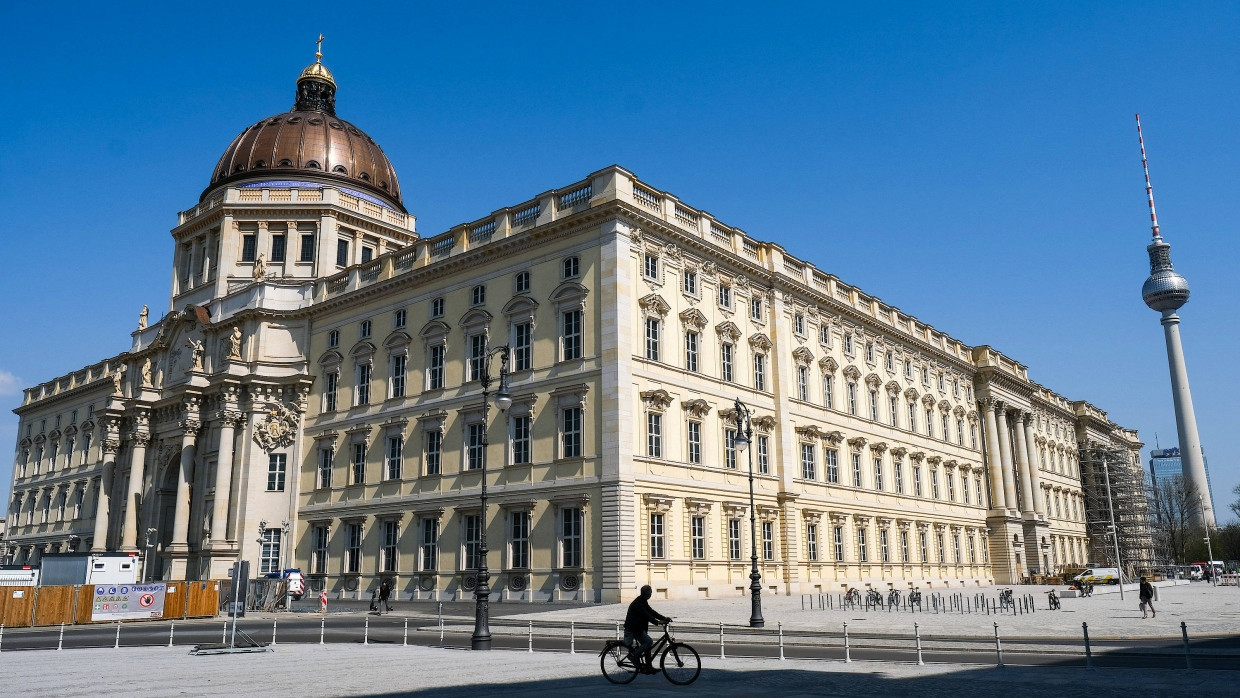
[[309, 143]]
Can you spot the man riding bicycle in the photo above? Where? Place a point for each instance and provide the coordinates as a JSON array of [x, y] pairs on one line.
[[636, 626]]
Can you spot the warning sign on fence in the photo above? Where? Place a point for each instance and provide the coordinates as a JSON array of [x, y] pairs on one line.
[[127, 601]]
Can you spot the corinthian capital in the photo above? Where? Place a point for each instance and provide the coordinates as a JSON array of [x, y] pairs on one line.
[[140, 438]]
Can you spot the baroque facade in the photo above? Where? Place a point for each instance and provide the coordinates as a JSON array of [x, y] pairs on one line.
[[311, 399]]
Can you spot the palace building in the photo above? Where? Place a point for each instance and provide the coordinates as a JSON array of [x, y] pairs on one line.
[[311, 398]]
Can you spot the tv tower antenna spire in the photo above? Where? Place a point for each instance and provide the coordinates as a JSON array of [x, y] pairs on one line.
[[1149, 188]]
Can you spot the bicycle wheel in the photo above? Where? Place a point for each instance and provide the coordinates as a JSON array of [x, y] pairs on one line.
[[684, 666], [617, 666]]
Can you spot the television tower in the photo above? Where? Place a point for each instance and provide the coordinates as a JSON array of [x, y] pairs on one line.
[[1165, 291]]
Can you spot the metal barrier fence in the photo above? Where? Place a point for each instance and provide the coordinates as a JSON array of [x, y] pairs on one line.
[[918, 602]]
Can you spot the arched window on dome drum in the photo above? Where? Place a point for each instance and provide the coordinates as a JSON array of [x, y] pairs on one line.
[[312, 165], [341, 169]]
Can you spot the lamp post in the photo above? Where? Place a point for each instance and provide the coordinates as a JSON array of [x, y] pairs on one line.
[[744, 434], [285, 548], [481, 639], [146, 562]]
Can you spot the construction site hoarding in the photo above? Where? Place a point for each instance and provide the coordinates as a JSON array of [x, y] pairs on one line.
[[128, 601]]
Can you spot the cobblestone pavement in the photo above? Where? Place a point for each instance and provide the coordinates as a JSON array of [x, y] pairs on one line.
[[308, 671]]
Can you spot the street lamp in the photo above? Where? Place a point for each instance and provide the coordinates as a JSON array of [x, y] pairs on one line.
[[481, 639], [146, 562], [286, 545], [744, 434]]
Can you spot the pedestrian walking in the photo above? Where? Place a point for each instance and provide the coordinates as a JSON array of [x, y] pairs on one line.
[[1146, 594], [385, 595]]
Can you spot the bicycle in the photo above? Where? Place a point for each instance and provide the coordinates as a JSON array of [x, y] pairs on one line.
[[893, 598], [914, 598], [1005, 598], [874, 598], [620, 662], [852, 596], [1086, 588], [1053, 598]]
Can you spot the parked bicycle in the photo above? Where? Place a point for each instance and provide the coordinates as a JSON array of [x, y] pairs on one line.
[[1086, 588], [874, 598], [852, 596], [1053, 598], [914, 598], [893, 598], [1005, 598], [678, 662]]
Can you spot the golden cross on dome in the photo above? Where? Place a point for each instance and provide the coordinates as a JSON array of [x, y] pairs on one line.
[[318, 50]]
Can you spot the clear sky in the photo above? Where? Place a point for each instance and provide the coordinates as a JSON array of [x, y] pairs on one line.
[[975, 165]]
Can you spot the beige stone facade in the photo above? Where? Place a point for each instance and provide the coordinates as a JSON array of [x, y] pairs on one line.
[[311, 399]]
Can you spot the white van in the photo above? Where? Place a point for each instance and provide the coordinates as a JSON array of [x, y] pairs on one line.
[[1099, 575]]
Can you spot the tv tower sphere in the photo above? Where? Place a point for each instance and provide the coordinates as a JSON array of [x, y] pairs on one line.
[[1165, 289]]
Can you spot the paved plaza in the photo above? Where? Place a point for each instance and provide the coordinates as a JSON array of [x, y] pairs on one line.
[[307, 671]]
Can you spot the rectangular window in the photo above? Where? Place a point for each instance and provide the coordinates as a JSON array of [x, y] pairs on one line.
[[873, 405], [893, 410], [759, 372], [353, 548], [570, 335], [904, 546], [917, 480], [691, 351], [768, 540], [276, 465], [755, 308], [359, 464], [959, 432], [388, 556], [368, 253], [477, 354], [828, 392], [654, 435], [729, 449], [798, 323], [437, 308], [725, 362], [897, 466], [852, 398], [869, 352], [570, 268], [925, 551], [973, 436], [951, 486], [279, 244], [307, 249], [882, 545], [862, 554], [399, 318], [652, 339], [824, 335], [807, 462], [878, 474], [697, 537], [725, 296], [856, 468], [397, 379], [964, 488], [523, 346], [269, 560], [395, 456], [890, 362], [695, 442], [651, 266], [471, 538], [363, 384], [956, 547], [930, 423], [690, 283], [802, 383], [764, 455], [570, 432], [833, 467], [939, 540], [325, 467], [434, 451], [571, 537], [364, 330], [430, 544], [475, 453], [848, 344], [249, 248], [734, 539], [342, 253], [318, 545], [521, 284], [934, 483], [837, 534], [521, 439], [434, 369], [912, 416], [944, 433], [972, 550], [333, 338], [811, 542], [656, 536], [519, 541]]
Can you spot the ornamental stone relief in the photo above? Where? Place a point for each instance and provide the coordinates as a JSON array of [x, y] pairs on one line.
[[278, 428]]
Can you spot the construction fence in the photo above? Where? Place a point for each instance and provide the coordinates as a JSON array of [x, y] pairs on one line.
[[26, 606]]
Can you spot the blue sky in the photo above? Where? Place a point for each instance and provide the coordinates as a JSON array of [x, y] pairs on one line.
[[974, 164]]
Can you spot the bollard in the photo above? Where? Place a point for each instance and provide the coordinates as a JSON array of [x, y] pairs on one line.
[[617, 631], [572, 638], [1089, 653], [117, 644], [917, 633], [803, 602], [60, 644], [405, 642], [847, 652], [223, 633], [998, 647], [171, 631], [441, 628], [781, 641], [322, 629], [1188, 660], [531, 647], [366, 632], [1, 634], [721, 655], [273, 631]]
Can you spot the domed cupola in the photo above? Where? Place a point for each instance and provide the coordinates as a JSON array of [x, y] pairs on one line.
[[309, 146]]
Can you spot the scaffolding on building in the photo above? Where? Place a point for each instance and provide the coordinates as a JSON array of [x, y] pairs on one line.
[[1114, 488]]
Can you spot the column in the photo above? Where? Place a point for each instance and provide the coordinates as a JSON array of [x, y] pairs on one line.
[[1022, 462], [1005, 454], [223, 478], [993, 457], [1035, 476], [109, 447], [137, 467], [180, 522]]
